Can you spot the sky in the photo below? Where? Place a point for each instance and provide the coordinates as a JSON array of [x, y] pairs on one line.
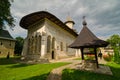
[[102, 16]]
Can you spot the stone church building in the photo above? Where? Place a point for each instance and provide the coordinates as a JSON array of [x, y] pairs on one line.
[[47, 37], [7, 44]]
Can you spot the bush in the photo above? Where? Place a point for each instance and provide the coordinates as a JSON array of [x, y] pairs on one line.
[[107, 57], [90, 57]]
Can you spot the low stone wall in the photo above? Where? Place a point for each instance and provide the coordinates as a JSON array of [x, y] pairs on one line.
[[89, 64]]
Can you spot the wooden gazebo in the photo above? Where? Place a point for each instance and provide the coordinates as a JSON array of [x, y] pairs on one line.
[[86, 39]]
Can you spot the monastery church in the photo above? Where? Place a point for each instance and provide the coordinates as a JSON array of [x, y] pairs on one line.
[[48, 37]]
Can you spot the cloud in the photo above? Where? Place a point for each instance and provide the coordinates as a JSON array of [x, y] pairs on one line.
[[102, 16]]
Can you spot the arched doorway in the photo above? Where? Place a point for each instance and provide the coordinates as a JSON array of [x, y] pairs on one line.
[[53, 56], [53, 48]]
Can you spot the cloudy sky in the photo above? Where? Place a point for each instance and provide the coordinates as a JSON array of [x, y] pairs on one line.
[[102, 16]]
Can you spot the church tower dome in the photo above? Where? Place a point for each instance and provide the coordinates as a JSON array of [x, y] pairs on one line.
[[69, 22]]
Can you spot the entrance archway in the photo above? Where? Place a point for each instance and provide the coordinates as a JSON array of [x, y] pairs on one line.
[[53, 56], [53, 48]]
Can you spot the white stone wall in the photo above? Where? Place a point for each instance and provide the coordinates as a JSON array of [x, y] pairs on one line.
[[60, 36], [39, 30], [46, 28]]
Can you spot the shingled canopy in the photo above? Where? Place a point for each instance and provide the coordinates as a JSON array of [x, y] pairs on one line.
[[86, 39]]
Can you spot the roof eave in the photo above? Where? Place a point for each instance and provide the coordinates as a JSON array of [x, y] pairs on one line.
[[25, 22], [7, 38]]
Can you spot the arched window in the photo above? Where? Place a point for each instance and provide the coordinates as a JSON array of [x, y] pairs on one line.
[[39, 43], [32, 45], [66, 47], [36, 44], [61, 46], [53, 43], [48, 43], [29, 46]]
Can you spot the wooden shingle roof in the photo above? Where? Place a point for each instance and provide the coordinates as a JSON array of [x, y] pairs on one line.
[[87, 39]]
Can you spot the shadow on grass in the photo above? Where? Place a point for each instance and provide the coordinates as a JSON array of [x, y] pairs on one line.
[[69, 74], [40, 77], [20, 65], [5, 61]]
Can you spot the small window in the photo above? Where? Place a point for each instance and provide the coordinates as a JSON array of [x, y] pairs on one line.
[[10, 44], [1, 43]]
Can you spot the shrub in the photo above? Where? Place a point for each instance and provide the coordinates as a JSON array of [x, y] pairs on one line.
[[107, 57], [91, 57]]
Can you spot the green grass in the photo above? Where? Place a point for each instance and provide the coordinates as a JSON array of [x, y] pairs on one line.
[[69, 74], [10, 70], [115, 69]]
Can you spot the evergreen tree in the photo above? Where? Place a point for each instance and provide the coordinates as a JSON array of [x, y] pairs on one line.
[[5, 14]]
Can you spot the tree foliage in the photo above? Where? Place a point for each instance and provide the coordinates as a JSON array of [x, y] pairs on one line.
[[5, 14], [19, 45], [114, 41]]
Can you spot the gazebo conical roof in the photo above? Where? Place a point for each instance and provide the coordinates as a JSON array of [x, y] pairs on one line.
[[87, 39]]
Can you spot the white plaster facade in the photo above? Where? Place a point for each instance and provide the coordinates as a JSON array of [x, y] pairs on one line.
[[47, 40]]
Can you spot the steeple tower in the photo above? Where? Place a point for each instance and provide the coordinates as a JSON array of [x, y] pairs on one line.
[[84, 21], [69, 22]]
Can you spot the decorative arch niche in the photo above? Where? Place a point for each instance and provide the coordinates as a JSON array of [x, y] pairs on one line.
[[48, 43], [53, 43]]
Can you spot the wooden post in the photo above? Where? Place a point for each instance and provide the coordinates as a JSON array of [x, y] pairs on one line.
[[96, 57], [82, 54]]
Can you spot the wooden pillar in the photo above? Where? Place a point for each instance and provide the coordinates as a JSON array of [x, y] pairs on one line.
[[82, 54], [95, 50]]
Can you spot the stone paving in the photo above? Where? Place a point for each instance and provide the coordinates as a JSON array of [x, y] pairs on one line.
[[56, 74], [102, 69]]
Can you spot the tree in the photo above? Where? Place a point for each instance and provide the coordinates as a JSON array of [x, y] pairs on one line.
[[19, 45], [114, 41], [5, 14]]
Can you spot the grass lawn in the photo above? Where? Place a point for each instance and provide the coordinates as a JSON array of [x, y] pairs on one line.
[[69, 74], [10, 70], [115, 69]]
